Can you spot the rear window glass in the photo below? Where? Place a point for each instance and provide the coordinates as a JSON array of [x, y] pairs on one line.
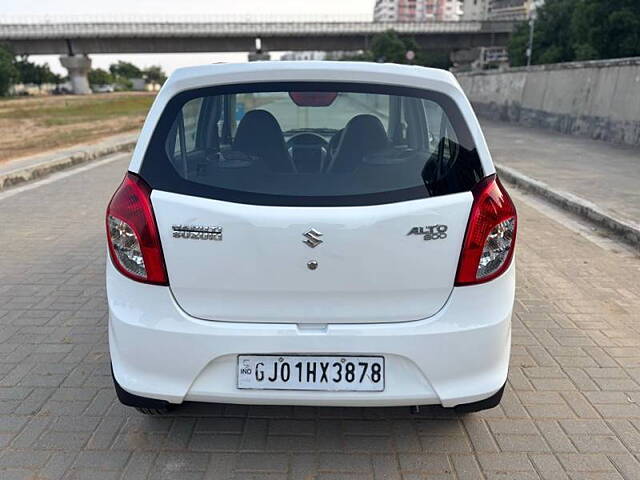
[[311, 144]]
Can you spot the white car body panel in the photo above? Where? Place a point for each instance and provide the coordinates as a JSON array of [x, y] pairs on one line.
[[369, 269], [460, 355]]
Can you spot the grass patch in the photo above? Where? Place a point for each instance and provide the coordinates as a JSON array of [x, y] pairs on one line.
[[70, 110], [34, 124]]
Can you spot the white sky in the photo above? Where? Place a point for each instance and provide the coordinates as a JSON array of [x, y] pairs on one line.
[[164, 8]]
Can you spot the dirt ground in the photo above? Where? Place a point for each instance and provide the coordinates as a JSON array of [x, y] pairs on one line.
[[36, 124]]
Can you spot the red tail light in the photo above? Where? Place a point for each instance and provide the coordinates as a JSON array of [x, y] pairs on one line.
[[491, 234], [132, 233]]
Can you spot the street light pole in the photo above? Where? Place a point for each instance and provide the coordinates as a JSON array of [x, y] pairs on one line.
[[532, 23], [532, 26]]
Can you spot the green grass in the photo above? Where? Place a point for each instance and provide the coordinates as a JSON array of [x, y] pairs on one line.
[[31, 125], [73, 111]]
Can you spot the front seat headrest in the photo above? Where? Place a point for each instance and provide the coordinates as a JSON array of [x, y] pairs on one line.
[[259, 134], [363, 135]]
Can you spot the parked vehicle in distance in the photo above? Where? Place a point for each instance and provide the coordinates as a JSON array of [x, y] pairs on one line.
[[61, 90], [107, 88], [310, 233]]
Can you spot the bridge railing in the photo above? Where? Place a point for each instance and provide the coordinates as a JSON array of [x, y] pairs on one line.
[[180, 18]]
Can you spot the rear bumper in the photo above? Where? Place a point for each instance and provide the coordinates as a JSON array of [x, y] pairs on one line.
[[460, 355]]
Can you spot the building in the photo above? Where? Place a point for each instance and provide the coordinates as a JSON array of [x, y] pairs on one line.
[[316, 55], [475, 10], [512, 9], [449, 10], [304, 55], [417, 10]]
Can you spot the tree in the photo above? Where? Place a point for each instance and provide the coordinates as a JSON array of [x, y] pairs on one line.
[[605, 29], [125, 70], [30, 72], [154, 74], [552, 39], [568, 30], [8, 71], [98, 76], [434, 60], [390, 47]]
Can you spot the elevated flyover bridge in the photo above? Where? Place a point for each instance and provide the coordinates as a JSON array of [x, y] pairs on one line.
[[75, 39]]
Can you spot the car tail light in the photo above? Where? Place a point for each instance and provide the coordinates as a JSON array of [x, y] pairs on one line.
[[132, 233], [491, 234]]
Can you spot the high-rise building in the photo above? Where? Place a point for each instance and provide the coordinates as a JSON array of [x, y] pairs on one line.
[[475, 10], [498, 9], [512, 9], [450, 10], [417, 10]]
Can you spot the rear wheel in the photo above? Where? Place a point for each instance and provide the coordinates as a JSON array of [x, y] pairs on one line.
[[147, 406]]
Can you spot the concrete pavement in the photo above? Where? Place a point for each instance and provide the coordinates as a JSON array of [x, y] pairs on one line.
[[25, 169], [571, 409], [602, 176]]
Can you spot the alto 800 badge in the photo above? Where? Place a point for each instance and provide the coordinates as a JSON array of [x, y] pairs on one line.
[[430, 232]]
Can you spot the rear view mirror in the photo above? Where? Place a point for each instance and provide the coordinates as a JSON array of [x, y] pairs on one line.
[[313, 99]]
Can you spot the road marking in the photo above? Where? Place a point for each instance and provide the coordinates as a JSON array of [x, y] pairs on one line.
[[61, 175]]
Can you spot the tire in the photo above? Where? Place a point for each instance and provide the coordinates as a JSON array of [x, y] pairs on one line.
[[486, 404], [147, 406]]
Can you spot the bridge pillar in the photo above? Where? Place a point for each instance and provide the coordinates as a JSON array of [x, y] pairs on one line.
[[78, 67]]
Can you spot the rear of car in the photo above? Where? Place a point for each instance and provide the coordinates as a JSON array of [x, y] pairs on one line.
[[314, 234]]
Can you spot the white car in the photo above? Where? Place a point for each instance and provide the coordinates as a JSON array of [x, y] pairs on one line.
[[310, 233], [106, 88]]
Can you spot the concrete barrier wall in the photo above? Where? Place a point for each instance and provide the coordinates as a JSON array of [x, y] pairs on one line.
[[598, 99]]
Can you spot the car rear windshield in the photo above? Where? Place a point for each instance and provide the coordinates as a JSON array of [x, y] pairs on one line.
[[312, 144]]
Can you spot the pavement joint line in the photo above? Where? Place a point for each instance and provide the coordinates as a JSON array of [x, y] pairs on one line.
[[85, 154], [627, 231]]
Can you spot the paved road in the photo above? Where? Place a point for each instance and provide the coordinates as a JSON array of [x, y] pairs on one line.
[[607, 175], [571, 410]]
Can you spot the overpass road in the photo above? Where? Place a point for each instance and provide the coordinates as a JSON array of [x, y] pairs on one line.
[[103, 36], [75, 40], [571, 409]]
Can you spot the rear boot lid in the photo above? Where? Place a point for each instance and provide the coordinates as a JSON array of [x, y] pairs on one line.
[[383, 263]]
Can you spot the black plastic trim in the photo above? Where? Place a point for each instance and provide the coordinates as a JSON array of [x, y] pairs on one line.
[[491, 402], [131, 400]]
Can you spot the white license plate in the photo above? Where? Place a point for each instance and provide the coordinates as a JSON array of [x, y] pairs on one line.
[[305, 372]]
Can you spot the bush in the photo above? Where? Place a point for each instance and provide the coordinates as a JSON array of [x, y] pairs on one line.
[[8, 71], [98, 76]]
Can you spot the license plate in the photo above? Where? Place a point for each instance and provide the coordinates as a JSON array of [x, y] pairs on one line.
[[305, 372]]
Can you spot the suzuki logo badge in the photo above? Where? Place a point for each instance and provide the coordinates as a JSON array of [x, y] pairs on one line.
[[312, 238]]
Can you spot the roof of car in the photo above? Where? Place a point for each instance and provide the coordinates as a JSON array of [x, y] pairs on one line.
[[366, 72], [310, 67]]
